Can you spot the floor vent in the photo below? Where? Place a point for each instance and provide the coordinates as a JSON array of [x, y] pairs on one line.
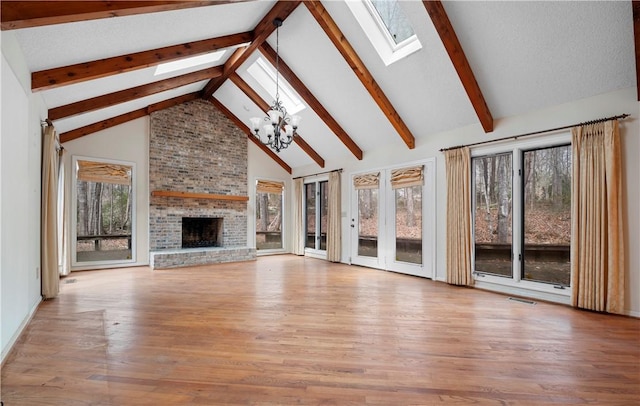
[[525, 301], [69, 281]]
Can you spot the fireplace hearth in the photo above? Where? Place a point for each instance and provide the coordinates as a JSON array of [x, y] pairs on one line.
[[199, 232]]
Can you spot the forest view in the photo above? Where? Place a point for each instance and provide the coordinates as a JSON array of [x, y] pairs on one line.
[[268, 220], [546, 202]]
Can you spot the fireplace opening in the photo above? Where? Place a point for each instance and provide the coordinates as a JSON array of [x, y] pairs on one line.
[[200, 232]]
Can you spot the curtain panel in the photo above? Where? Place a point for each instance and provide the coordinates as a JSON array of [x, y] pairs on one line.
[[459, 243], [334, 220], [298, 224], [597, 240], [49, 215]]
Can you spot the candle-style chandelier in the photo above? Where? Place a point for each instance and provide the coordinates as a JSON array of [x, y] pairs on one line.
[[280, 128]]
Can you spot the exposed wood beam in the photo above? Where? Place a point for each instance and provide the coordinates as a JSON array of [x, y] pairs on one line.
[[311, 100], [264, 106], [353, 60], [126, 95], [261, 32], [636, 34], [67, 75], [250, 135], [24, 14], [102, 125], [445, 30], [165, 104]]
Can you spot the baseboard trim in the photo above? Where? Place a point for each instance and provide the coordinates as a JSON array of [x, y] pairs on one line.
[[7, 350]]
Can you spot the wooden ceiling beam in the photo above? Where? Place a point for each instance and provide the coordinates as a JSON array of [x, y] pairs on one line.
[[636, 35], [282, 9], [311, 100], [81, 72], [264, 106], [165, 104], [250, 134], [102, 125], [126, 95], [445, 30], [25, 14], [336, 36], [123, 118]]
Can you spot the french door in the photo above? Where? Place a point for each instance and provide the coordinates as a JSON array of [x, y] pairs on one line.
[[393, 223], [316, 198]]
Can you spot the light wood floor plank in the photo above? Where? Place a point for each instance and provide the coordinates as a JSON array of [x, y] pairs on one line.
[[288, 330]]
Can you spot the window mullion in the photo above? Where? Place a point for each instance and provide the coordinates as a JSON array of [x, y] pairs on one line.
[[517, 217]]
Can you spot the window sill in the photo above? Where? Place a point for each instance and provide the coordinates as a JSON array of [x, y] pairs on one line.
[[531, 290]]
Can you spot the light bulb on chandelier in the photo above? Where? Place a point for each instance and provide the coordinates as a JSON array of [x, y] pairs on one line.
[[280, 129]]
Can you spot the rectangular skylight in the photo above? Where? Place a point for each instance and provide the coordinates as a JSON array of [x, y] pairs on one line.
[[392, 19], [387, 27], [265, 75], [189, 62]]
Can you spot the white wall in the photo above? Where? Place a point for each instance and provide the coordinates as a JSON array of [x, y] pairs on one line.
[[21, 143], [623, 101], [125, 142], [261, 166]]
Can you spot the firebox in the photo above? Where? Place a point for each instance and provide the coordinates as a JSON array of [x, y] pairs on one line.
[[201, 232]]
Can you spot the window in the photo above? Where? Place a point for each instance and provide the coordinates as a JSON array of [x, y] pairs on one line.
[[269, 215], [387, 27], [522, 215], [190, 62], [316, 200], [104, 212]]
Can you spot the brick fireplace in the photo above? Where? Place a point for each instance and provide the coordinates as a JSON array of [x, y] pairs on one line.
[[196, 154]]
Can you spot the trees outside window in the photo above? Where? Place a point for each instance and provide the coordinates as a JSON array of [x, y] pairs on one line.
[[542, 195]]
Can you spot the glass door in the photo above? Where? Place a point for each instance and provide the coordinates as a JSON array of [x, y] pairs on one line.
[[366, 224], [316, 199]]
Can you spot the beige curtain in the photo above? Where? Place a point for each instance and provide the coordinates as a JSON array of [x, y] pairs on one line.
[[334, 220], [597, 257], [298, 232], [458, 166], [407, 177], [64, 253], [49, 215]]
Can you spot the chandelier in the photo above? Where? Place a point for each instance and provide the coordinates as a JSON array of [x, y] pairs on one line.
[[280, 128]]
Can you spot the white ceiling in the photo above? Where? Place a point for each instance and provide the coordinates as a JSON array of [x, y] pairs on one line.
[[525, 56]]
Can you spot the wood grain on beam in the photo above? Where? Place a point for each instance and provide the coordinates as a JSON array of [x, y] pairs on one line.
[[102, 125], [165, 104], [67, 75], [282, 9], [336, 36], [445, 30], [264, 106], [636, 35], [311, 100], [24, 14], [126, 95], [250, 134]]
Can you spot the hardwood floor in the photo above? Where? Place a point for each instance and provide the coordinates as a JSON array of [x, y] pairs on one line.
[[287, 330]]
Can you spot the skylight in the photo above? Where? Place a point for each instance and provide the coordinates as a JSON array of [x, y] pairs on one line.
[[387, 27], [393, 18], [189, 62], [262, 72]]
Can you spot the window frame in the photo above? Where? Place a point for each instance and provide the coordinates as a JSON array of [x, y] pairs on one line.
[[516, 285], [283, 223], [314, 252], [378, 34]]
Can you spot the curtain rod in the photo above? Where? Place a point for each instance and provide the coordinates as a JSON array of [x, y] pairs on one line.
[[319, 173], [515, 137]]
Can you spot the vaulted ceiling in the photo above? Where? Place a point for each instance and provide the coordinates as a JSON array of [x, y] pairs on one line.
[[94, 64]]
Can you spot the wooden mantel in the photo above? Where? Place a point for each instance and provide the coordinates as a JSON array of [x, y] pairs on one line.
[[210, 196]]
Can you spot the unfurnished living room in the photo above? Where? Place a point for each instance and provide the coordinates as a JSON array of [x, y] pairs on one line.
[[361, 202]]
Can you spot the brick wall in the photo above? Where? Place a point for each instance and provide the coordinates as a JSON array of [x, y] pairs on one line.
[[194, 148]]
